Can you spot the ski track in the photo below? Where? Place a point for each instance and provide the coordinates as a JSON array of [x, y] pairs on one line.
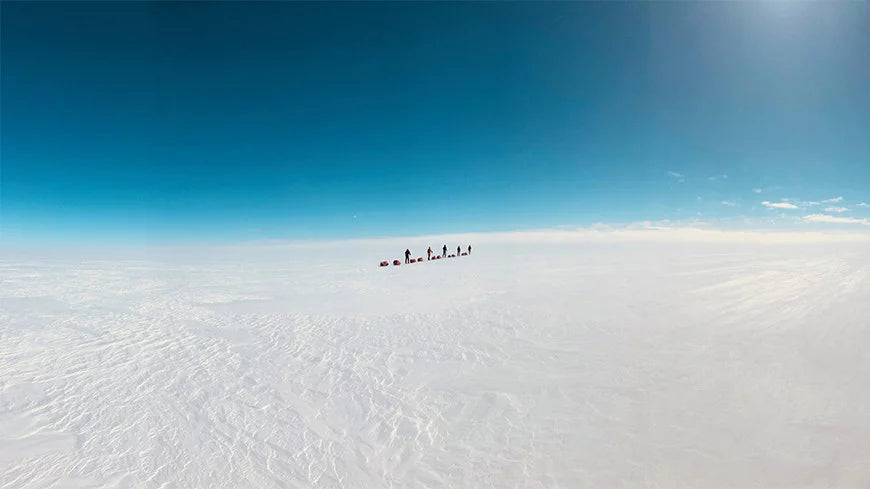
[[528, 366]]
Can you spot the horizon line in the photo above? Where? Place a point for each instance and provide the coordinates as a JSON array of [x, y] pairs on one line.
[[644, 231]]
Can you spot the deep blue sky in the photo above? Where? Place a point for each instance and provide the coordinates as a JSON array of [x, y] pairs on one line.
[[234, 121]]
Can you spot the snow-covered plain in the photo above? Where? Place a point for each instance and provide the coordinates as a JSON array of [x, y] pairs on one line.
[[534, 362]]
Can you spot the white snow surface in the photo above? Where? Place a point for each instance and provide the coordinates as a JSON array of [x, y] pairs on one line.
[[529, 364]]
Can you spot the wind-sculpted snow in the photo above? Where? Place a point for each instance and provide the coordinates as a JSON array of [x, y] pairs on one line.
[[523, 365]]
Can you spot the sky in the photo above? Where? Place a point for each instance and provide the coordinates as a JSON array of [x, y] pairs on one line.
[[231, 121]]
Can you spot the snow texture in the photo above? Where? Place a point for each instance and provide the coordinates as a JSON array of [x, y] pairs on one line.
[[535, 364]]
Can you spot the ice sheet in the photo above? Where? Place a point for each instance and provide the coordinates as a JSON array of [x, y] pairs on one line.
[[526, 364]]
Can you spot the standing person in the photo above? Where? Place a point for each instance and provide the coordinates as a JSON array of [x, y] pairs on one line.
[[458, 250], [469, 249], [407, 256], [429, 254], [444, 252]]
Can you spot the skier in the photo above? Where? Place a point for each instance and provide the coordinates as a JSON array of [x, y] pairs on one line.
[[429, 254], [469, 249], [407, 256], [458, 250], [444, 252]]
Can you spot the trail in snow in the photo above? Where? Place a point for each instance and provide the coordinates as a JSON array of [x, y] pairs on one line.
[[522, 365]]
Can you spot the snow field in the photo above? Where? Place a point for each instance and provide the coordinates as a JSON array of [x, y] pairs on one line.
[[526, 364]]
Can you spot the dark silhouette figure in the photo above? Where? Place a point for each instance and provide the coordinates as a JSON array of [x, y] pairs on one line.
[[407, 256], [429, 254], [469, 249], [444, 252], [458, 250]]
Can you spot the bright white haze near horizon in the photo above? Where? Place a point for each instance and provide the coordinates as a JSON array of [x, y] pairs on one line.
[[531, 363]]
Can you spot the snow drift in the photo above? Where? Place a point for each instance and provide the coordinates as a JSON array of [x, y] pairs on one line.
[[533, 362]]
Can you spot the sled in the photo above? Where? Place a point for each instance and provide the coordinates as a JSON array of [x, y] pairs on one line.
[[384, 263]]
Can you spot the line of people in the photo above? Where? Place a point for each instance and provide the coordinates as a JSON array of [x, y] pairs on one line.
[[429, 253]]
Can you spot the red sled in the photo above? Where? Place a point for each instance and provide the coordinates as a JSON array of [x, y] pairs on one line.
[[465, 254], [384, 263], [419, 259], [396, 262], [413, 260]]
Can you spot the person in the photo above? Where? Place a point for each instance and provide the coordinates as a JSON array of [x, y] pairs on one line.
[[429, 254], [407, 256], [469, 249], [458, 250], [444, 252]]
